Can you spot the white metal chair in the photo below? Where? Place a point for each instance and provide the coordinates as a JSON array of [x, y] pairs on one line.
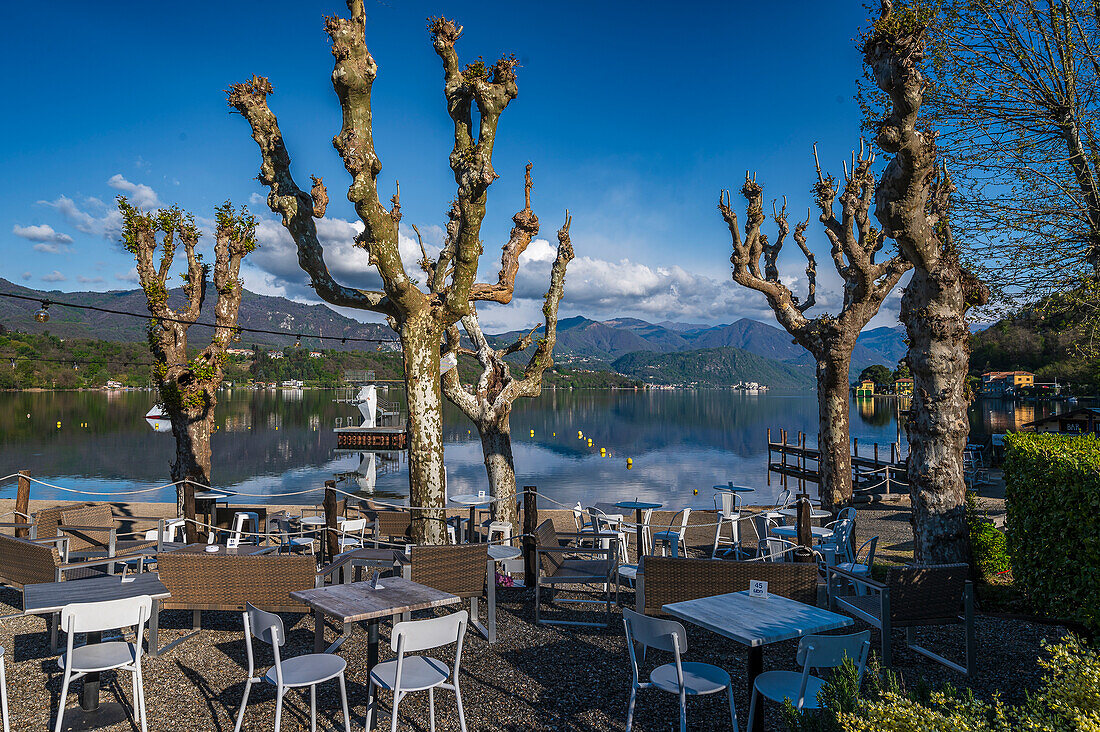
[[3, 691], [292, 673], [837, 548], [629, 572], [762, 526], [609, 523], [246, 526], [861, 567], [96, 617], [292, 541], [168, 530], [674, 537], [352, 534], [407, 674], [778, 550], [728, 506], [690, 678], [814, 651]]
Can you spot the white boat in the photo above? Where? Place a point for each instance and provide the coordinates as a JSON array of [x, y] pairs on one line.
[[158, 419]]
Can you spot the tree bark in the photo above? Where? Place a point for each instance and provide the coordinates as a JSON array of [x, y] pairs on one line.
[[194, 460], [496, 445], [427, 479], [833, 400]]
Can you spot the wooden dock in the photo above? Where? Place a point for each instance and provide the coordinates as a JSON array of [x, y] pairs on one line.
[[883, 473]]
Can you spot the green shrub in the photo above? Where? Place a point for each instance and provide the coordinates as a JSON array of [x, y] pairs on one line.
[[1068, 700], [988, 546], [1052, 485]]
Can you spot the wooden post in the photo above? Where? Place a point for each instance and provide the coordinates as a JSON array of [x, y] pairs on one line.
[[195, 534], [530, 525], [23, 502], [855, 447], [876, 457], [893, 452], [331, 511], [769, 473], [783, 475], [805, 537]]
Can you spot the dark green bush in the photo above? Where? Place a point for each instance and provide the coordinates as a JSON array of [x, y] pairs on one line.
[[988, 545], [1052, 487]]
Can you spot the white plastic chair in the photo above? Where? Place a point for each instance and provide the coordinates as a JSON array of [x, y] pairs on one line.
[[307, 670], [690, 678], [3, 691], [407, 674], [728, 506], [814, 651], [96, 617], [674, 537], [352, 534]]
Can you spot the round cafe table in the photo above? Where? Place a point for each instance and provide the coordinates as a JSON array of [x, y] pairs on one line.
[[209, 499], [482, 499], [791, 532], [503, 552], [731, 488], [815, 513], [638, 507]]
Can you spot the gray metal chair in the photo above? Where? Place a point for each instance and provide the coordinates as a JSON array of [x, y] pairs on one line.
[[96, 617], [728, 507], [417, 673], [292, 673], [684, 678], [3, 691], [814, 651]]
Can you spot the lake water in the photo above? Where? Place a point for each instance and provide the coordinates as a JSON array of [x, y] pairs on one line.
[[274, 443]]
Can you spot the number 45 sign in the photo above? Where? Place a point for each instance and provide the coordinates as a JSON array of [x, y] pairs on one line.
[[758, 588]]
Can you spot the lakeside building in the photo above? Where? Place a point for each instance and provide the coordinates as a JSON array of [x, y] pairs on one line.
[[246, 352], [903, 386], [865, 388], [1005, 383], [1081, 421], [316, 354], [275, 355]]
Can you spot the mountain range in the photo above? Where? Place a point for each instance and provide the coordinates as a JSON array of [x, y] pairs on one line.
[[665, 352]]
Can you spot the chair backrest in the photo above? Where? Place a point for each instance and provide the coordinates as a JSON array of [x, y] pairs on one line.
[[548, 536], [847, 513], [99, 514], [413, 636], [46, 520], [659, 633], [228, 582], [263, 625], [25, 562], [352, 526], [393, 524], [927, 594], [829, 651], [870, 545], [578, 516], [676, 579], [458, 569], [778, 550], [680, 525], [784, 498], [727, 503], [94, 617]]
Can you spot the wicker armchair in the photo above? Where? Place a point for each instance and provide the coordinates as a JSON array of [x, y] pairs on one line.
[[664, 580], [37, 561], [391, 526], [911, 597], [585, 567], [464, 570], [91, 530]]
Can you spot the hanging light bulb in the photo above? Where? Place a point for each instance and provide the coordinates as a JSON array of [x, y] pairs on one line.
[[298, 342], [43, 316], [237, 335]]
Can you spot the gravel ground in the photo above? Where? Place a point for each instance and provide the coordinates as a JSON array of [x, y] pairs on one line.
[[533, 678]]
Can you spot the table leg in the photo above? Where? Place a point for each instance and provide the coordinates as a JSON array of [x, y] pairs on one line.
[[638, 524], [89, 693], [318, 631], [755, 668], [470, 528], [153, 648], [372, 646]]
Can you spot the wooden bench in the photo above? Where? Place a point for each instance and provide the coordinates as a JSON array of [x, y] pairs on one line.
[[664, 580]]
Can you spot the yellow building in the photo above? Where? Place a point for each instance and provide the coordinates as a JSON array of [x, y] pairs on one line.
[[903, 386], [866, 388], [1005, 383]]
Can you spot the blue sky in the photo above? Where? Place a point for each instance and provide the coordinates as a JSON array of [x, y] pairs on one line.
[[635, 115]]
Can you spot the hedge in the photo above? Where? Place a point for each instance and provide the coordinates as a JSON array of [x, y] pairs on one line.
[[1052, 490]]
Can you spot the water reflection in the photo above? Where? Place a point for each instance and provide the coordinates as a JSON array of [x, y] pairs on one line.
[[281, 441]]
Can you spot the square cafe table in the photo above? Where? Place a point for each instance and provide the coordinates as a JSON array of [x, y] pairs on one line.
[[358, 601], [51, 597], [756, 621]]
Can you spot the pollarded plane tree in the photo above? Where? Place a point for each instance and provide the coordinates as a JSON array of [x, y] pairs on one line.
[[829, 338], [188, 386], [911, 204], [488, 404], [420, 317]]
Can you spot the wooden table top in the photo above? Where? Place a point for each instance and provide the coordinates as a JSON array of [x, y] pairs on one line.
[[51, 597], [243, 550], [791, 532], [357, 601], [755, 621]]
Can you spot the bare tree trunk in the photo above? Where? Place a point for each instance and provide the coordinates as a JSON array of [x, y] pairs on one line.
[[833, 402], [420, 346], [933, 310], [496, 445], [194, 463]]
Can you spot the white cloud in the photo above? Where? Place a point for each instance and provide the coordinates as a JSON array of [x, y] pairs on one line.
[[131, 276], [44, 234], [54, 276], [140, 195], [90, 280], [27, 275], [96, 219]]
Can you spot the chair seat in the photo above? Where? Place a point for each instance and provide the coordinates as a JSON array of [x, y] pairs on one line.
[[346, 541], [417, 673], [630, 571], [101, 656], [299, 542], [699, 678], [582, 571], [667, 535], [312, 668], [853, 568], [780, 685]]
